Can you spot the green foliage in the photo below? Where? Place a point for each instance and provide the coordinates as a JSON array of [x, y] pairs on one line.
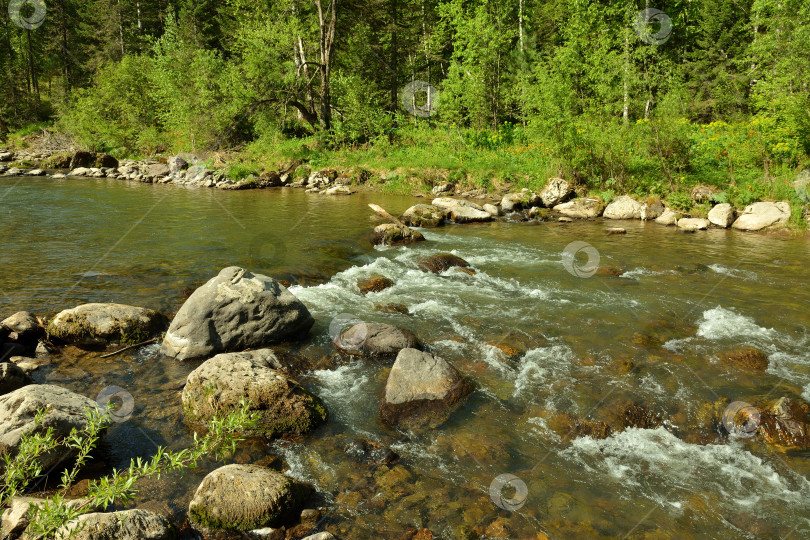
[[118, 488]]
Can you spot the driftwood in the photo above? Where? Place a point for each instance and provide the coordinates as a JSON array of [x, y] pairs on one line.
[[141, 344], [381, 211]]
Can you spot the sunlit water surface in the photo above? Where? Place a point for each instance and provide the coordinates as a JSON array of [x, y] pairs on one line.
[[589, 345]]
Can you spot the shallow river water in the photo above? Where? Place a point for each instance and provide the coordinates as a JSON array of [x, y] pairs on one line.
[[588, 347]]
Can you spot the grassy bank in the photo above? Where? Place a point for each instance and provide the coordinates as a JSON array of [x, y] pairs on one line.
[[743, 162]]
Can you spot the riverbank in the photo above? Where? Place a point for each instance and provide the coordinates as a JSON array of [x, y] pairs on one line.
[[557, 199]]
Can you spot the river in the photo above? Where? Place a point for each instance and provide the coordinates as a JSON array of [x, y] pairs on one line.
[[588, 347]]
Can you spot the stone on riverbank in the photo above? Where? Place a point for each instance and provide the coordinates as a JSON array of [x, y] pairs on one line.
[[759, 215], [23, 329], [423, 215], [393, 234], [100, 325], [218, 385], [722, 215], [234, 311], [668, 218], [244, 498], [555, 192], [492, 210], [693, 224], [514, 202], [652, 209], [461, 211], [583, 208], [623, 207], [422, 390], [133, 524], [66, 411], [375, 340]]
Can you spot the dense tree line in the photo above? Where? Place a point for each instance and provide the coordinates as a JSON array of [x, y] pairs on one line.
[[147, 74]]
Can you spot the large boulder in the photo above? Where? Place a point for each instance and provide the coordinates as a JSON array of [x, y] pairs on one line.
[[423, 215], [623, 207], [219, 384], [514, 202], [786, 423], [442, 262], [555, 192], [66, 410], [134, 524], [722, 215], [17, 516], [12, 377], [235, 311], [393, 234], [99, 325], [652, 209], [759, 215], [375, 340], [421, 391], [583, 208], [244, 498], [22, 330]]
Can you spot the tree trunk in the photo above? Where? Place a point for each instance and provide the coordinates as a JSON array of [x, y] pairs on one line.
[[394, 88], [327, 40]]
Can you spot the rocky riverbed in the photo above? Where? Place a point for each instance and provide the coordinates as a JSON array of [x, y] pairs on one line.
[[398, 391]]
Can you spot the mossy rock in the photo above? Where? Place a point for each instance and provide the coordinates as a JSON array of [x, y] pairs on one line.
[[285, 408], [100, 325], [245, 498]]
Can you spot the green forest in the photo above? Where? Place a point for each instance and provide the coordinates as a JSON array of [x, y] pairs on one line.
[[629, 97]]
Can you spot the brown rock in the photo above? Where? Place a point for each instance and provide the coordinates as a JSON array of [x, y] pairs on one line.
[[375, 340], [442, 262], [390, 234], [374, 284], [746, 358]]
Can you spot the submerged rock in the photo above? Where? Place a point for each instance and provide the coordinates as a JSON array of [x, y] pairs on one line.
[[235, 311], [99, 325], [746, 358], [375, 340], [392, 234], [244, 498], [67, 410], [423, 215], [759, 215], [583, 208], [134, 524], [421, 391], [623, 207], [441, 263], [786, 423], [219, 384]]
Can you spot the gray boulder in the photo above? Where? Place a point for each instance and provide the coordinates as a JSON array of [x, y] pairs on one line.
[[492, 210], [157, 170], [67, 410], [722, 215], [441, 189], [99, 325], [465, 214], [219, 384], [423, 215], [555, 192], [652, 209], [244, 498], [623, 207], [668, 218], [583, 208], [513, 202], [23, 328], [134, 524], [375, 340], [759, 215], [12, 377], [235, 311], [421, 391], [176, 164]]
